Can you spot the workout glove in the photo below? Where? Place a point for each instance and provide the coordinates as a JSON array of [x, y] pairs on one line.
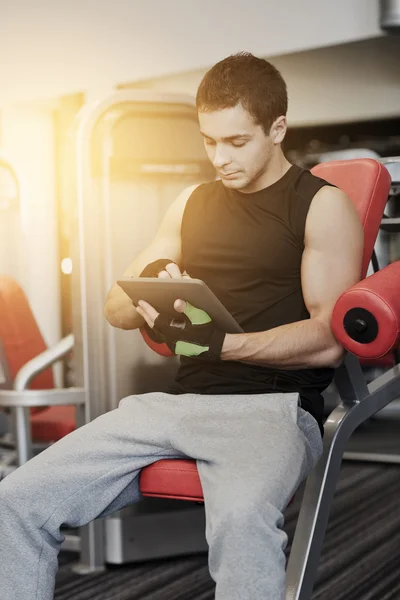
[[193, 333], [154, 341]]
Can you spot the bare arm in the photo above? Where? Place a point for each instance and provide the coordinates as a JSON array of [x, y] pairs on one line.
[[118, 309], [331, 263]]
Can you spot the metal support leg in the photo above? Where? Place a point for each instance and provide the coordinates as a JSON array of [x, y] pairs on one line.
[[92, 535], [23, 434], [314, 513], [92, 543]]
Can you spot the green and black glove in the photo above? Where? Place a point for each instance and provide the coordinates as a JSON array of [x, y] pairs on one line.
[[193, 333], [154, 341]]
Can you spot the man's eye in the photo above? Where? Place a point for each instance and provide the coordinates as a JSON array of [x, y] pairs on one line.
[[238, 144]]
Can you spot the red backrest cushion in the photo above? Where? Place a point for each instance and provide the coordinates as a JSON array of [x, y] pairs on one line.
[[367, 182]]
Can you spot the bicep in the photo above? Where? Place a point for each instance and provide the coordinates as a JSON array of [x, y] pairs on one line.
[[332, 258]]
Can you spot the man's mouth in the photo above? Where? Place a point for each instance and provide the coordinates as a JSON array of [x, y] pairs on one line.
[[228, 174]]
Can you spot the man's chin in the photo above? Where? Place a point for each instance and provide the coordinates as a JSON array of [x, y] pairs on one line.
[[235, 184]]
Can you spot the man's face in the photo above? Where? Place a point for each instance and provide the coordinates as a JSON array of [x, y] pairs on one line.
[[239, 149]]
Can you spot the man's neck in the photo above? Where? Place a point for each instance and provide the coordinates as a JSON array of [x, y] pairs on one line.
[[277, 167]]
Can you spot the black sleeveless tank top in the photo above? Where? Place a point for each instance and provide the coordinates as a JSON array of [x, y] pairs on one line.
[[248, 248]]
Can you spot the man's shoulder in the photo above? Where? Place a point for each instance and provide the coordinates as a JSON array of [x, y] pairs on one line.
[[191, 193], [207, 187], [201, 191], [307, 185], [333, 210]]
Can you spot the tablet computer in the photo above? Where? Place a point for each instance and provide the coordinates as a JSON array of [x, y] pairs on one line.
[[162, 293]]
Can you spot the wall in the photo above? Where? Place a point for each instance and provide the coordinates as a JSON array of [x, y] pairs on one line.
[[340, 84], [50, 48], [27, 134]]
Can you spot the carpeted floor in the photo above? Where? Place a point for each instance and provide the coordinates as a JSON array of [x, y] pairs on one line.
[[360, 558]]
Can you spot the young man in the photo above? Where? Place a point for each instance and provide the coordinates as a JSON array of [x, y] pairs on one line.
[[277, 246]]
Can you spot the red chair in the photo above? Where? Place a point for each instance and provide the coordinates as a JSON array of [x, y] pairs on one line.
[[43, 413], [367, 183]]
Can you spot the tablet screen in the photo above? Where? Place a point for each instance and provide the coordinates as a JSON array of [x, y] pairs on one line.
[[162, 293]]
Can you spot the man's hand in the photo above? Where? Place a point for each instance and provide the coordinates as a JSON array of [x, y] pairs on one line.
[[162, 268], [193, 334], [172, 271]]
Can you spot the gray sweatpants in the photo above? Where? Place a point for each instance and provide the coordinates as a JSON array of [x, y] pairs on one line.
[[252, 453]]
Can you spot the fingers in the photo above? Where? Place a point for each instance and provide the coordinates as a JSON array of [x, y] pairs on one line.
[[180, 305], [148, 313], [196, 316], [173, 271]]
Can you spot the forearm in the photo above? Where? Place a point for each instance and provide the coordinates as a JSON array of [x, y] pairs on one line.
[[302, 345], [119, 310]]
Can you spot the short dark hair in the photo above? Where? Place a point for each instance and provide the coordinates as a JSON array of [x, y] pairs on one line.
[[243, 78]]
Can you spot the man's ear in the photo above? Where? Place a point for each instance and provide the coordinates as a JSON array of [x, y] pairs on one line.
[[278, 130]]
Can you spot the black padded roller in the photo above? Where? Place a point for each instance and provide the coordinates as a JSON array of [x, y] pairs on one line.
[[360, 325]]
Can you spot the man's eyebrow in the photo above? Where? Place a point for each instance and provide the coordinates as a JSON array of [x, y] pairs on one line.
[[228, 139]]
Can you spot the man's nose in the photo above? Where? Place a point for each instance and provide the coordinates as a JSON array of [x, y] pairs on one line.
[[221, 157]]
